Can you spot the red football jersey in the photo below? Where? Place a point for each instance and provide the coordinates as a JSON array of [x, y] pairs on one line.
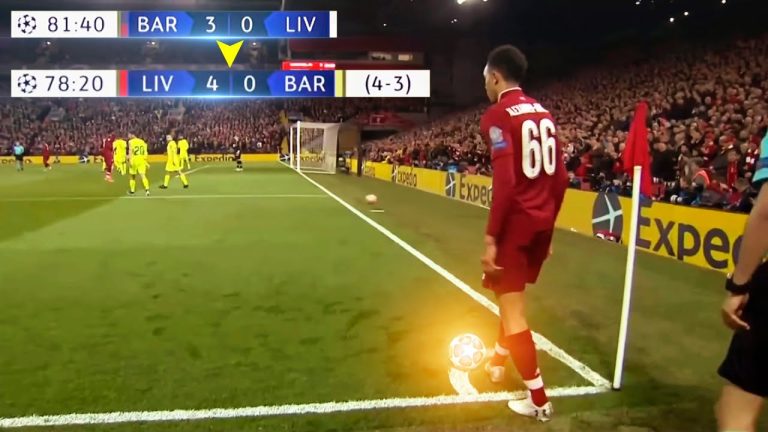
[[106, 146], [529, 176]]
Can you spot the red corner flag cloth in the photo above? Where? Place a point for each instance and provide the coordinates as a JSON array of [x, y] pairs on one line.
[[636, 151]]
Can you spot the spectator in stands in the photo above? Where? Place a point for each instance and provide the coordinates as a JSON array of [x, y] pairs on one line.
[[664, 164]]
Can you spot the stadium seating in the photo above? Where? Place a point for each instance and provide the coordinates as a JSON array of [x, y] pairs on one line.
[[706, 102]]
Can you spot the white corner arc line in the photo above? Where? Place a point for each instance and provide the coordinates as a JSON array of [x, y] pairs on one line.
[[543, 343], [460, 382], [277, 410]]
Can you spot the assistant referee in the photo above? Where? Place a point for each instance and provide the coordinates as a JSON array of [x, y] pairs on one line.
[[745, 310], [18, 154]]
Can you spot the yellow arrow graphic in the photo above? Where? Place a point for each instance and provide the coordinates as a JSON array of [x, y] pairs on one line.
[[230, 51]]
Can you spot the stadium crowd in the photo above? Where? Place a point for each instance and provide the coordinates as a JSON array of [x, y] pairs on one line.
[[707, 104], [708, 115], [77, 126]]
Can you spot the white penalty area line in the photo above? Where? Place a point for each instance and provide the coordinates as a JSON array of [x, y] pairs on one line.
[[140, 196], [542, 343], [278, 410], [194, 170]]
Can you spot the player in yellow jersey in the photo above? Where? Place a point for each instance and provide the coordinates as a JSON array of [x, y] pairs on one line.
[[138, 162], [119, 148], [183, 152], [172, 166]]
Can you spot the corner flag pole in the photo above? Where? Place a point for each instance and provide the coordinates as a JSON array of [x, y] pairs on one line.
[[628, 278]]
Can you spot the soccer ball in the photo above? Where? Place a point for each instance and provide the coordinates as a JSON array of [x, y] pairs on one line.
[[467, 352], [371, 199], [26, 24], [27, 83]]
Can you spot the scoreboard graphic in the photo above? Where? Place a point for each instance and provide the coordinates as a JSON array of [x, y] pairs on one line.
[[173, 24], [226, 31]]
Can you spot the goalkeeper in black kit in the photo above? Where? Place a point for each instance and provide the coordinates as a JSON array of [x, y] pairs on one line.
[[745, 311], [238, 154]]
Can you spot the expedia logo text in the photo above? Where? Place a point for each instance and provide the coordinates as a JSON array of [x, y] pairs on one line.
[[312, 158], [12, 161], [214, 158], [475, 193], [678, 239], [369, 171], [406, 178], [682, 240]]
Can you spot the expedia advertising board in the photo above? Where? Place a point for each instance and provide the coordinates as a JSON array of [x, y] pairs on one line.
[[206, 158], [473, 189], [706, 238], [419, 178]]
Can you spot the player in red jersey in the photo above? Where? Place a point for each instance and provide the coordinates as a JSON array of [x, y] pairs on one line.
[[109, 157], [529, 183], [46, 156]]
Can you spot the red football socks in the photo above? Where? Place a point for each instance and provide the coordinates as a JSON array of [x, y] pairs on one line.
[[523, 352]]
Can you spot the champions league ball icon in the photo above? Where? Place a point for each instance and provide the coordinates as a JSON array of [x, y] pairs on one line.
[[27, 83], [27, 24]]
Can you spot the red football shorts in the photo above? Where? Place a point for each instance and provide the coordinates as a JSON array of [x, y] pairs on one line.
[[521, 258]]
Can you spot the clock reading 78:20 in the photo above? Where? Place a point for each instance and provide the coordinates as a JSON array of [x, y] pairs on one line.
[[83, 83]]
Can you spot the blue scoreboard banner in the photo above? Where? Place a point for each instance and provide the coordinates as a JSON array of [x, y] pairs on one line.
[[258, 84], [263, 25]]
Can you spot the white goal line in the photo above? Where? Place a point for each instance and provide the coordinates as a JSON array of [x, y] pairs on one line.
[[278, 410], [542, 343]]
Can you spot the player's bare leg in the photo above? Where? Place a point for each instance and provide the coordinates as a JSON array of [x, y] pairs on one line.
[[498, 358], [518, 340], [737, 410]]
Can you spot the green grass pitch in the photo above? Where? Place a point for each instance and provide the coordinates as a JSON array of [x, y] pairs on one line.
[[258, 289]]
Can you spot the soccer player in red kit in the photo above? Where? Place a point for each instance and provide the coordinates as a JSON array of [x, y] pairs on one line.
[[109, 157], [529, 183], [46, 156]]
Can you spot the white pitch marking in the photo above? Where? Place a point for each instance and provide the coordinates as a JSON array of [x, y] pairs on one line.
[[196, 169], [278, 410], [542, 343], [376, 211], [158, 197], [460, 382]]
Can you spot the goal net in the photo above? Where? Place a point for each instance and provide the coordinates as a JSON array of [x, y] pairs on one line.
[[313, 146]]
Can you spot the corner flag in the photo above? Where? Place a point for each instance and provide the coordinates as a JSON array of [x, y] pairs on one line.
[[637, 152]]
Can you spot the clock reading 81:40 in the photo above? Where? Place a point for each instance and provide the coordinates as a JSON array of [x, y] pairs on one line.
[[66, 25]]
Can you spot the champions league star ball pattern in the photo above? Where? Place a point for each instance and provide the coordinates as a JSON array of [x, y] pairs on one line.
[[27, 24], [27, 83], [467, 352]]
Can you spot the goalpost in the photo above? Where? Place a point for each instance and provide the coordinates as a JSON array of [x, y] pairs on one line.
[[313, 147]]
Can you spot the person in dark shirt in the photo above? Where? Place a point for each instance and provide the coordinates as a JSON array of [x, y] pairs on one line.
[[664, 164], [745, 311], [238, 154]]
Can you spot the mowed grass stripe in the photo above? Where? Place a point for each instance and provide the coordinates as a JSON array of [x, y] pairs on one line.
[[188, 304]]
